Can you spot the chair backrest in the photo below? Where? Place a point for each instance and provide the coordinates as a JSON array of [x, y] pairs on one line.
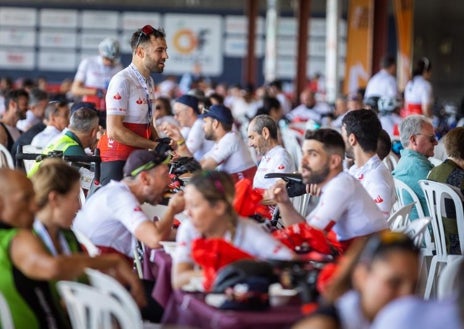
[[415, 229], [91, 248], [435, 195], [404, 212], [6, 160], [390, 161], [6, 320], [446, 281], [90, 308], [113, 288], [401, 189]]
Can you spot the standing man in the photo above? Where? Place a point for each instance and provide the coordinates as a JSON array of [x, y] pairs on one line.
[[360, 131], [383, 83], [129, 103], [262, 136], [94, 74]]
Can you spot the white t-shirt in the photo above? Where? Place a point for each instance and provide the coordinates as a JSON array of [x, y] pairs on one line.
[[382, 84], [389, 122], [44, 138], [27, 123], [345, 204], [276, 159], [418, 91], [110, 217], [94, 74], [231, 154], [196, 141], [378, 182], [249, 237], [413, 312]]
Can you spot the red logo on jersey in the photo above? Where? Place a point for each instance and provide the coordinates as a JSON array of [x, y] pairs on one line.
[[139, 101], [281, 167], [117, 97], [361, 177], [276, 249], [137, 208], [378, 199]]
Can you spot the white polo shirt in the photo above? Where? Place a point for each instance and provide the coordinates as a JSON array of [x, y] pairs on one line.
[[276, 160], [346, 207], [249, 237], [382, 84], [418, 91], [110, 217], [378, 182], [231, 154], [93, 73]]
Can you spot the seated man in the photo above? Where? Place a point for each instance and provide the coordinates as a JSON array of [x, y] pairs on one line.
[[229, 153], [344, 205], [418, 139], [82, 133], [57, 119], [262, 136], [360, 131], [113, 216]]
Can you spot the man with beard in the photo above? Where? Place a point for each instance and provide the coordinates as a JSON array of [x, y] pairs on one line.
[[16, 104], [262, 136], [113, 216], [129, 103], [344, 206], [229, 153], [360, 131]]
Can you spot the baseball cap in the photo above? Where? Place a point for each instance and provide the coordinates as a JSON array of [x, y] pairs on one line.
[[220, 113], [141, 160], [190, 101]]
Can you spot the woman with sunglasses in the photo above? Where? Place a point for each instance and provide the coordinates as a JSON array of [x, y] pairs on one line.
[[386, 268], [209, 203]]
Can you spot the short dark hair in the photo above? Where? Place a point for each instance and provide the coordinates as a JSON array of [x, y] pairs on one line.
[[139, 37], [384, 144], [265, 121], [365, 125], [14, 95], [387, 61], [330, 138]]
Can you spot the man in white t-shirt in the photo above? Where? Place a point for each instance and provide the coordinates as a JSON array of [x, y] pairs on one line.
[[94, 73], [112, 217], [344, 205], [360, 131], [383, 83], [186, 112], [229, 153], [262, 136], [310, 108]]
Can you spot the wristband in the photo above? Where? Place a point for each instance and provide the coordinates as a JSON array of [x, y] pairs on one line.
[[181, 142]]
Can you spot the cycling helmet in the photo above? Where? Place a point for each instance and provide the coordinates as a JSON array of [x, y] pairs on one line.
[[109, 48], [387, 104]]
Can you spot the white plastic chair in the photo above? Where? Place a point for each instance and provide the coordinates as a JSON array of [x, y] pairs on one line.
[[404, 211], [446, 283], [6, 320], [90, 308], [435, 194], [91, 248], [6, 160], [390, 161], [113, 288], [416, 229]]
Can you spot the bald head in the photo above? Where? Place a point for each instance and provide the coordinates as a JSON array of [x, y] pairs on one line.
[[17, 207]]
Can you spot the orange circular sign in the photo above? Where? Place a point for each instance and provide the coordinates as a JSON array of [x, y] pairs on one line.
[[185, 41]]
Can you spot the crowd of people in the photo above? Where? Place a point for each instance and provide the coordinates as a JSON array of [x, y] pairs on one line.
[[231, 135]]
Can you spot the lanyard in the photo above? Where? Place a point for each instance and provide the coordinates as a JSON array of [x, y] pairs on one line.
[[146, 84], [42, 232]]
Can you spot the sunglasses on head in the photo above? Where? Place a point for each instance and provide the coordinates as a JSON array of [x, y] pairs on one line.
[[159, 159], [145, 31]]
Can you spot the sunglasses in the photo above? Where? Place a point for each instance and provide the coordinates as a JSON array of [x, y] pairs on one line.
[[385, 241], [159, 159], [145, 31], [432, 138]]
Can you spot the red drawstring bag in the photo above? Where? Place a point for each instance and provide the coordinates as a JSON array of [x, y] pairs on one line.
[[301, 234], [213, 254], [247, 200]]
